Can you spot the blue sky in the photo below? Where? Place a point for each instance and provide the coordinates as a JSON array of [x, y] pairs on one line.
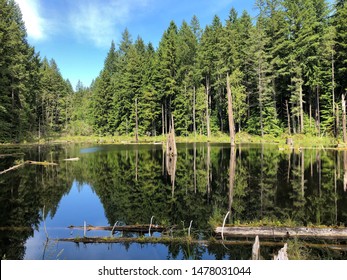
[[78, 33]]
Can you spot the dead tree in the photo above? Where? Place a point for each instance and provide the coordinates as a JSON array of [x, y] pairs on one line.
[[230, 114]]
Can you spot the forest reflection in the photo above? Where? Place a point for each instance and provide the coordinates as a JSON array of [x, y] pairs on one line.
[[204, 182]]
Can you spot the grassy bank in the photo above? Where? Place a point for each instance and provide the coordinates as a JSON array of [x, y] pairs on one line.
[[299, 140]]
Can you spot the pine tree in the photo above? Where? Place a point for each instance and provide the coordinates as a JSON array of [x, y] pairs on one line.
[[186, 57], [340, 24], [168, 71], [267, 117]]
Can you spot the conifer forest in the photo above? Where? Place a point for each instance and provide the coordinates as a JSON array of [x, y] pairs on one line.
[[287, 70]]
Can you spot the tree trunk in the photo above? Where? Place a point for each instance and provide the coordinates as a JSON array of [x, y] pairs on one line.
[[194, 122], [230, 114], [301, 111], [302, 173], [337, 121], [333, 91], [194, 167], [310, 112], [288, 118], [344, 118], [260, 88]]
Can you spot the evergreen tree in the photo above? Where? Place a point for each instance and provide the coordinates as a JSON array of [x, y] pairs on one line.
[[339, 21], [168, 63]]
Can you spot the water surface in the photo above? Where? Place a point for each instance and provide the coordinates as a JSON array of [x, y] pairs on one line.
[[129, 184]]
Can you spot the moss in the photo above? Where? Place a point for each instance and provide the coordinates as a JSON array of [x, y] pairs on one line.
[[268, 222]]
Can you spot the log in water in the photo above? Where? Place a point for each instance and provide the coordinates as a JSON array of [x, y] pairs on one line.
[[130, 228], [283, 232]]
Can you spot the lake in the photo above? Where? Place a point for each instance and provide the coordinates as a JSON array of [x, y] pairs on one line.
[[132, 184]]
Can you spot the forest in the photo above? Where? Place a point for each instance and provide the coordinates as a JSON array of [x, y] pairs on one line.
[[287, 71]]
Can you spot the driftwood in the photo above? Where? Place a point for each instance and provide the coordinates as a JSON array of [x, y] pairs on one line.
[[282, 253], [130, 228], [283, 232], [256, 249], [44, 163]]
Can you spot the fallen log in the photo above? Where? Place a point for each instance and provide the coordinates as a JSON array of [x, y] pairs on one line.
[[130, 228], [283, 232]]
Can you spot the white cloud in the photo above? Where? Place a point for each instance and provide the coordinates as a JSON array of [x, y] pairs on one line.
[[100, 21], [34, 23]]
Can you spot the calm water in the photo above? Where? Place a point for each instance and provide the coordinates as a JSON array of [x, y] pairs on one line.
[[132, 183]]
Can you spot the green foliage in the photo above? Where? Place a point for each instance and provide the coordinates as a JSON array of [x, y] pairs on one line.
[[293, 53]]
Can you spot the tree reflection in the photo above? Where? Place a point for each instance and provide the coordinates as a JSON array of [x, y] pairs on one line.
[[135, 183]]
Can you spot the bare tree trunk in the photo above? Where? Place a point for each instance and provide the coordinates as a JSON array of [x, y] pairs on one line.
[[344, 118], [302, 173], [289, 166], [288, 117], [333, 91], [260, 89], [194, 122], [310, 109], [230, 114], [194, 167], [337, 121], [301, 111]]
